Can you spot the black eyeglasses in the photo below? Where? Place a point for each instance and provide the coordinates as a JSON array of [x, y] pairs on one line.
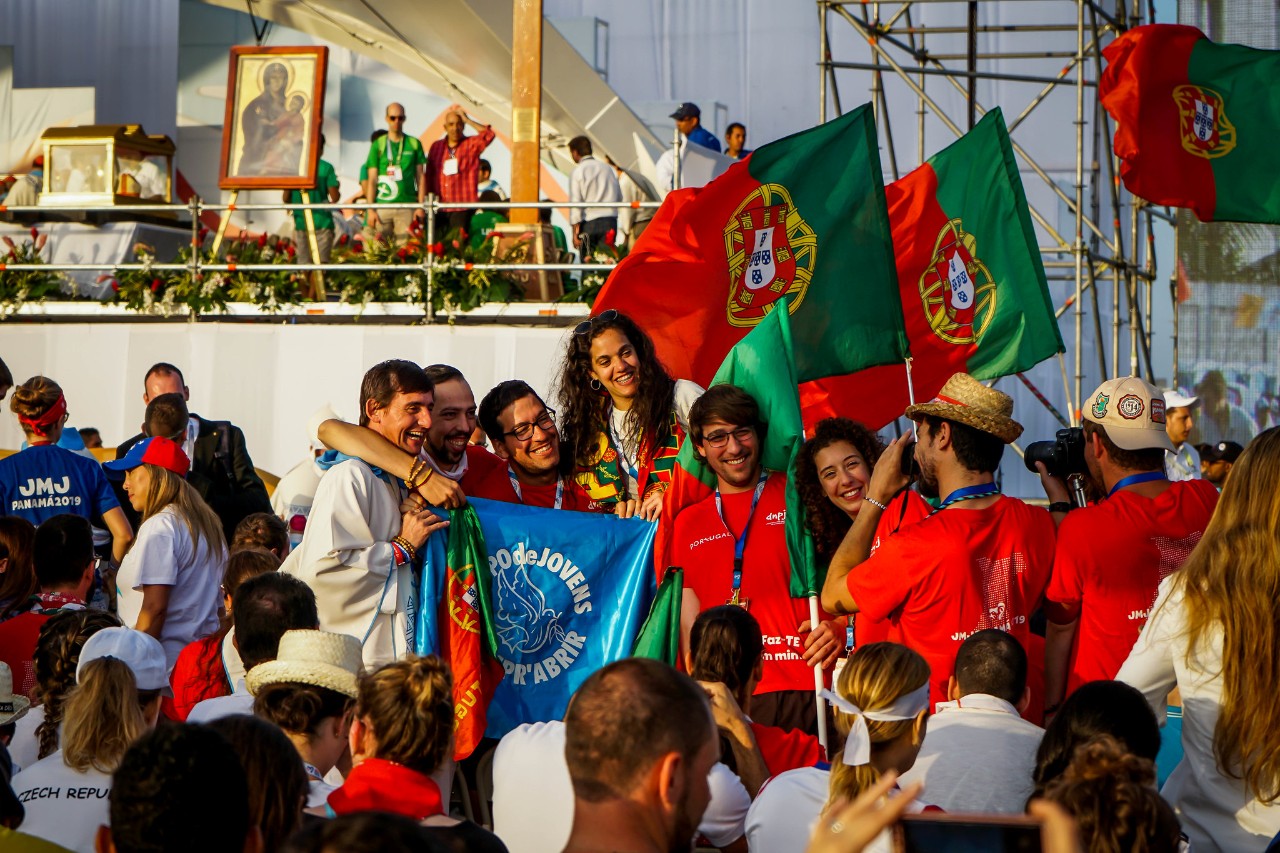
[[720, 439], [603, 317], [545, 421]]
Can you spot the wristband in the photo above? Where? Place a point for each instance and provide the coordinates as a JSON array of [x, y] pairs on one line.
[[408, 548], [399, 554], [874, 502], [1061, 506]]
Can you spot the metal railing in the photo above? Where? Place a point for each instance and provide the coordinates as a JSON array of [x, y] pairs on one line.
[[196, 266]]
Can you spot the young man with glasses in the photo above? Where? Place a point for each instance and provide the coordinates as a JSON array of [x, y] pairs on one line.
[[732, 546], [524, 435], [394, 174]]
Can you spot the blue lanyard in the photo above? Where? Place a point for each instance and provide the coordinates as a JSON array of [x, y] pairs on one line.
[[740, 542], [515, 484], [968, 493], [622, 457], [1135, 479]]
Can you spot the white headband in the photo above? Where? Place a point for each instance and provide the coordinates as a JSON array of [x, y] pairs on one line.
[[857, 747]]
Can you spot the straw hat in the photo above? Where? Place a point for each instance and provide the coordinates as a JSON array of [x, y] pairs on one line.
[[12, 705], [318, 658], [967, 401]]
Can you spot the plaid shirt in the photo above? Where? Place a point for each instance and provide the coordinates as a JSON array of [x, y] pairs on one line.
[[462, 186]]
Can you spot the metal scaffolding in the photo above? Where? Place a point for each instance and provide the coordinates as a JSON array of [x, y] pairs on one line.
[[914, 48]]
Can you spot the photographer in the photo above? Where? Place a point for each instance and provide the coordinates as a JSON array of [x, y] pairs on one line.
[[981, 560], [1112, 555]]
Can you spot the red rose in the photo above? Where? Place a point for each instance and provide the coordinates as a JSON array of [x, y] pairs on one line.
[[292, 251], [342, 241], [262, 241], [462, 233], [155, 285], [402, 254], [438, 249], [204, 232], [115, 286], [34, 232], [610, 236]]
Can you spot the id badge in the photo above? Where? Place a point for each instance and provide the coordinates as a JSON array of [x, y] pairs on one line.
[[393, 172], [451, 166]]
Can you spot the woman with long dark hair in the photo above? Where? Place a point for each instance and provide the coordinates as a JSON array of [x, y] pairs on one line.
[[624, 417], [832, 472]]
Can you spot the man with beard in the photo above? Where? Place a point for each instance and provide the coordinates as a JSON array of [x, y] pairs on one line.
[[733, 548], [981, 560], [523, 432], [365, 530], [640, 742], [447, 451], [1112, 555]]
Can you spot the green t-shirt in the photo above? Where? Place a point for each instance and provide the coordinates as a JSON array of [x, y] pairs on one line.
[[482, 222], [407, 154], [326, 177]]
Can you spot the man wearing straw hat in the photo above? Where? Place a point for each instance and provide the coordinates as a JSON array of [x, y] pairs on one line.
[[981, 560], [1112, 555]]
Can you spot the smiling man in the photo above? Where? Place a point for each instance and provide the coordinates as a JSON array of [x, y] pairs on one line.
[[523, 432], [733, 548], [359, 547]]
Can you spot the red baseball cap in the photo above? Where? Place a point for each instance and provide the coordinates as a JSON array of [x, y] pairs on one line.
[[158, 451]]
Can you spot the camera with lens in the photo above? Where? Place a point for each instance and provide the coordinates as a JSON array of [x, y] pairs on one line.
[[1063, 456], [909, 467]]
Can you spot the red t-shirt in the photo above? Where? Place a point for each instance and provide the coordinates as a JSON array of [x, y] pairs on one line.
[[18, 648], [480, 464], [1110, 558], [904, 510], [954, 574], [786, 749], [198, 674], [497, 487], [704, 548]]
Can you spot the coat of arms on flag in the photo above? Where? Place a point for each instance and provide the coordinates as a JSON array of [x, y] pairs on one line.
[[958, 292], [771, 252], [1206, 132]]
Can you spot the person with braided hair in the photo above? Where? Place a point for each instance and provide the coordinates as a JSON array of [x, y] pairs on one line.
[[881, 707], [57, 655], [401, 748]]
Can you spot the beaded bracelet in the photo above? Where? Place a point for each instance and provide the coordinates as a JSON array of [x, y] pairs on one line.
[[874, 502]]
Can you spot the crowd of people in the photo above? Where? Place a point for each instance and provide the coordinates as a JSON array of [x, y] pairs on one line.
[[187, 661]]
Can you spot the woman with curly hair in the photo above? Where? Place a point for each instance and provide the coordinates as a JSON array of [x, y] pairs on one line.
[[56, 657], [624, 417], [1214, 633], [401, 752]]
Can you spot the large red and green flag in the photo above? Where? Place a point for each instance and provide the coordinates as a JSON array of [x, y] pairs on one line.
[[801, 222], [761, 364], [1196, 122], [972, 284]]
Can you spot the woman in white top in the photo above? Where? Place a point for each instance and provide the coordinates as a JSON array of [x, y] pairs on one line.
[[168, 583], [889, 681], [1215, 635], [116, 700], [624, 418]]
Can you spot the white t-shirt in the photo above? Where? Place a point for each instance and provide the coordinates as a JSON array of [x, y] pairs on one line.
[[788, 807], [977, 757], [685, 395], [1217, 811], [63, 805], [533, 795], [240, 701], [164, 553], [24, 749]]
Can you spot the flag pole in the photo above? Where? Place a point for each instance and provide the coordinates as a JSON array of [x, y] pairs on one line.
[[817, 680], [911, 388]]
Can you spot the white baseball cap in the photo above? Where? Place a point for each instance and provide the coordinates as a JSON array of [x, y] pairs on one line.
[[1131, 413], [1175, 400], [141, 652]]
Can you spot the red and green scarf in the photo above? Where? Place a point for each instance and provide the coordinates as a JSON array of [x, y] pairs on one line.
[[604, 481]]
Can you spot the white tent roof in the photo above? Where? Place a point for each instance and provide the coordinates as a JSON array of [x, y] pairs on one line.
[[462, 49]]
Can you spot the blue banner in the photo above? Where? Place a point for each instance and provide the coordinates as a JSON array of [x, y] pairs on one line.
[[569, 593]]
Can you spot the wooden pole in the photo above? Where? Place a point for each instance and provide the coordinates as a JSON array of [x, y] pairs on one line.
[[526, 106]]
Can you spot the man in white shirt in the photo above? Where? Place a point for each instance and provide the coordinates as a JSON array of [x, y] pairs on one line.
[[592, 180], [979, 754], [266, 607], [1183, 462], [365, 531]]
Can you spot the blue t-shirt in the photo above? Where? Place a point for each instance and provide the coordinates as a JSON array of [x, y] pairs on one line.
[[701, 136], [43, 481]]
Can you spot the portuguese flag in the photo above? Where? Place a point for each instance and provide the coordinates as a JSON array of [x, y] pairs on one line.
[[803, 220], [1196, 122], [762, 365], [973, 289]]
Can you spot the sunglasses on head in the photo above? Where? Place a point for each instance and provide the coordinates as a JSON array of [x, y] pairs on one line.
[[587, 325]]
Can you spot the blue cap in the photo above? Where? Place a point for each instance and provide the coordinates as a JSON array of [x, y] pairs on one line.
[[687, 110]]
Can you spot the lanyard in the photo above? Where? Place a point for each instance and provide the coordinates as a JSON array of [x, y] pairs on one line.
[[393, 156], [1135, 479], [622, 456], [740, 542], [515, 484], [968, 493]]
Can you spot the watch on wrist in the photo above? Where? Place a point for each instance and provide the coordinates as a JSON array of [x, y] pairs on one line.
[[1061, 506]]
